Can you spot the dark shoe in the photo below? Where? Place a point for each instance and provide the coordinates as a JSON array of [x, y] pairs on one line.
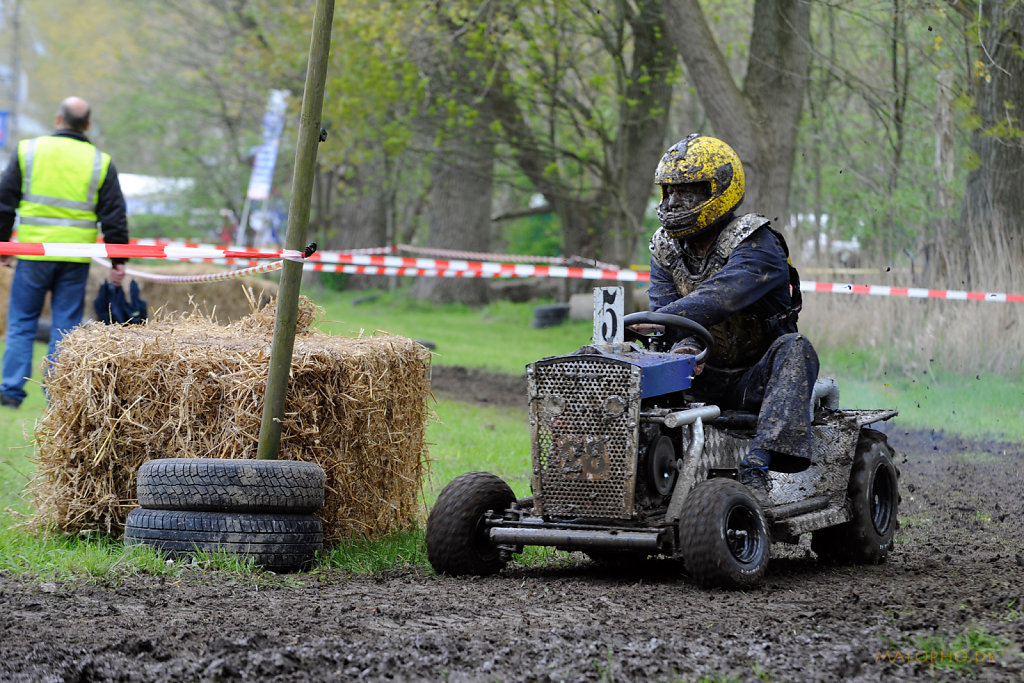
[[754, 470], [9, 401]]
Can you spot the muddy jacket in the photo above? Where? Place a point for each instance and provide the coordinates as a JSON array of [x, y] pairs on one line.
[[739, 290]]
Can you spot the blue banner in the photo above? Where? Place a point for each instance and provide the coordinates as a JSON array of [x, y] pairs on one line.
[[4, 118], [266, 154]]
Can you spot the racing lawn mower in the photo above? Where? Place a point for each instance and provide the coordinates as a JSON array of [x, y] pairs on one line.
[[627, 466]]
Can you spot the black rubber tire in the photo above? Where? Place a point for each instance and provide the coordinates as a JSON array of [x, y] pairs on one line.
[[226, 485], [457, 543], [712, 555], [874, 499], [274, 541], [549, 315]]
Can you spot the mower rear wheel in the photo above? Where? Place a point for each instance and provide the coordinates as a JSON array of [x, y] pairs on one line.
[[874, 499], [723, 535], [457, 539]]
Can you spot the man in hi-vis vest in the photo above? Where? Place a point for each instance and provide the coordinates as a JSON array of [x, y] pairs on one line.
[[62, 189]]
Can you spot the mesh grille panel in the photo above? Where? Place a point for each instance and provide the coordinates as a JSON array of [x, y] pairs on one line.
[[584, 412]]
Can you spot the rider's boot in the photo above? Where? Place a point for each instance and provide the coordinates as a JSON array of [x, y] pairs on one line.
[[754, 471]]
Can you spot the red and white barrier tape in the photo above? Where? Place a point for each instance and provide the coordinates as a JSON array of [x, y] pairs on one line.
[[159, 251], [375, 264], [402, 271], [519, 258], [325, 256], [485, 268], [332, 256], [910, 292], [329, 256]]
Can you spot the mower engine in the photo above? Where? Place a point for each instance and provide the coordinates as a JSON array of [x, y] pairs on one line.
[[601, 448]]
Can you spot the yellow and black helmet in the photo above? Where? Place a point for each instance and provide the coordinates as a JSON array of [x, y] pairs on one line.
[[699, 159]]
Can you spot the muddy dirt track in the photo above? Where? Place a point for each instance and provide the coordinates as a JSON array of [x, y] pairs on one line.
[[948, 604]]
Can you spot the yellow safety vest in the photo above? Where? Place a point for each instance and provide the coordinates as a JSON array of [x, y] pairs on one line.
[[60, 181]]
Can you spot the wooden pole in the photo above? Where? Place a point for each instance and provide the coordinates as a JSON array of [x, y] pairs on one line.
[[298, 221]]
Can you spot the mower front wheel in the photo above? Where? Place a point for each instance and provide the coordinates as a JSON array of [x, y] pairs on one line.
[[457, 539], [723, 535]]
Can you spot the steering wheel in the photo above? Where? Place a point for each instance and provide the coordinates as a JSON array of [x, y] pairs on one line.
[[676, 328]]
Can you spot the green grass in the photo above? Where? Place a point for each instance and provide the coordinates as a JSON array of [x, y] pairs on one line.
[[62, 558], [976, 458], [977, 406], [464, 438], [467, 437], [965, 653], [359, 556], [496, 337], [16, 428]]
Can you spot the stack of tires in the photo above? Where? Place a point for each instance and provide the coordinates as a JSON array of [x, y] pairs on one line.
[[258, 509]]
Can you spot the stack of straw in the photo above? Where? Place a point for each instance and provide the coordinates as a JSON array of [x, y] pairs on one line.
[[185, 386]]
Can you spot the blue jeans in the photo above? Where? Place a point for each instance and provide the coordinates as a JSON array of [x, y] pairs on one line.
[[32, 280]]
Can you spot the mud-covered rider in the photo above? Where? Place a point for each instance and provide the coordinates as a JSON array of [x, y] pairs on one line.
[[732, 275]]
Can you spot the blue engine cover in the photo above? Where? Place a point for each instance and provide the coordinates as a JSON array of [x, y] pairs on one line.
[[660, 373]]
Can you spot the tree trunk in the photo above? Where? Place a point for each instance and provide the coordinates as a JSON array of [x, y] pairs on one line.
[[358, 216], [643, 117], [453, 56], [761, 121], [937, 266], [460, 215], [993, 214]]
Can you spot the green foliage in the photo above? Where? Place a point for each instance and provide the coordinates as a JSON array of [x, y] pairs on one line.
[[1005, 130], [862, 159], [374, 90], [534, 235]]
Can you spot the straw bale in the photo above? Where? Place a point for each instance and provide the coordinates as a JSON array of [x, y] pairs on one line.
[[186, 386]]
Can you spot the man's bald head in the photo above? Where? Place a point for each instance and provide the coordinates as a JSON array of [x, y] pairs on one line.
[[74, 114]]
